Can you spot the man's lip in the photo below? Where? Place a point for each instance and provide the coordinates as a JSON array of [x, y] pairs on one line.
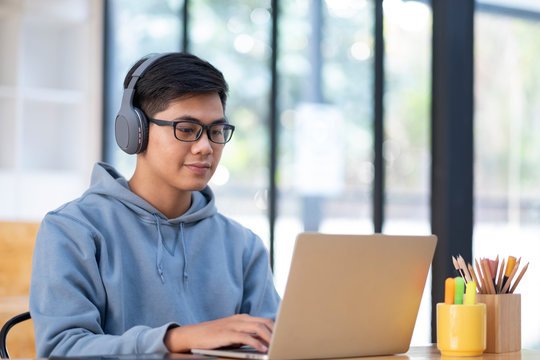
[[199, 168], [199, 165]]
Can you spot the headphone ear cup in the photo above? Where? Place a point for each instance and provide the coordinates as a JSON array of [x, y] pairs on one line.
[[131, 125], [131, 130]]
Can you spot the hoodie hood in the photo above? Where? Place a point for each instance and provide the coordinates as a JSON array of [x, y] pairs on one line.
[[110, 274], [106, 181]]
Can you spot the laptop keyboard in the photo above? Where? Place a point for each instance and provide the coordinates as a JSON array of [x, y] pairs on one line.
[[247, 350]]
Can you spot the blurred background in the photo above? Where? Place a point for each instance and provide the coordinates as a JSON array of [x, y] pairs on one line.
[[302, 75]]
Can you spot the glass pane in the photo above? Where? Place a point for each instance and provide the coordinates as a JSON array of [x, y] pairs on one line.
[[407, 31], [325, 104], [138, 28], [407, 116], [235, 37], [507, 152]]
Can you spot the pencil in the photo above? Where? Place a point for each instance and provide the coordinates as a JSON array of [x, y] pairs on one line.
[[496, 268], [456, 266], [471, 271], [463, 266], [480, 278], [499, 281], [487, 276], [519, 278], [512, 274], [492, 272], [510, 263]]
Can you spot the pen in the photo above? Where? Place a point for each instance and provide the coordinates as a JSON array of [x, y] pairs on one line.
[[470, 293], [459, 290], [449, 290]]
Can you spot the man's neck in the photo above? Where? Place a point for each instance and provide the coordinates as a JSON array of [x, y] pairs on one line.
[[170, 202]]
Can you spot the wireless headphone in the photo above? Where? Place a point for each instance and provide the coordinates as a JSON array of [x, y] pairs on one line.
[[131, 125]]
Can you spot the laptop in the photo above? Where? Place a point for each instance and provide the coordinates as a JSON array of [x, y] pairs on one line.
[[347, 296]]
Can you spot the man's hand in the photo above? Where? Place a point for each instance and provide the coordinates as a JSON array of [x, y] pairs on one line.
[[235, 330]]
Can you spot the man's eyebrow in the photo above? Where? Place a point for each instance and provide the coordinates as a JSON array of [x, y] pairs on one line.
[[223, 120]]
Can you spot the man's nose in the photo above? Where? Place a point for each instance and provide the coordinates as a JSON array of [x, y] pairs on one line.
[[203, 144]]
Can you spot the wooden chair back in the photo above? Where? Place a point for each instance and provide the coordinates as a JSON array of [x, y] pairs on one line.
[[17, 241]]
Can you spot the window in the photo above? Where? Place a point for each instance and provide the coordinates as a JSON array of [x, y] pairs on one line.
[[235, 37], [507, 150], [324, 117], [325, 168], [407, 118], [135, 29]]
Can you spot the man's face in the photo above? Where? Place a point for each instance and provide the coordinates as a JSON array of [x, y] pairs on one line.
[[184, 166]]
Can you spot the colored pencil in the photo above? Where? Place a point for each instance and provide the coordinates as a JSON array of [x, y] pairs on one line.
[[519, 278], [487, 276], [480, 277], [471, 271], [499, 280], [463, 266], [512, 274]]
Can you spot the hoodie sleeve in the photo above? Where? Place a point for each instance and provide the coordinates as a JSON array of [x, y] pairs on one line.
[[68, 300], [260, 297]]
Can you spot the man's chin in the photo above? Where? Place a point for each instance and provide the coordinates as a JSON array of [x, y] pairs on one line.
[[198, 187]]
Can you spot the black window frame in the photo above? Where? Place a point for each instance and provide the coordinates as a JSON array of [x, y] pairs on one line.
[[452, 141]]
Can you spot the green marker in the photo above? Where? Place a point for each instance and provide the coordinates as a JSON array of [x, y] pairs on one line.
[[460, 290]]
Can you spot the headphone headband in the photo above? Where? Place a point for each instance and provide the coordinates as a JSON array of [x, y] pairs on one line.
[[131, 125]]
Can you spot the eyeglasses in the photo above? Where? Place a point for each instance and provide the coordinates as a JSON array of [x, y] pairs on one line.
[[190, 131]]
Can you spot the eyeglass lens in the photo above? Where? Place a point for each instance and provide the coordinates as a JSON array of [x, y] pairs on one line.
[[218, 133]]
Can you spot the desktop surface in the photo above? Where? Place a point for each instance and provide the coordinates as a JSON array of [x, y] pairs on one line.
[[414, 353], [431, 352]]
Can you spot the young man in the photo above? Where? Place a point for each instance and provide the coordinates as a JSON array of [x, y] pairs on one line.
[[149, 265]]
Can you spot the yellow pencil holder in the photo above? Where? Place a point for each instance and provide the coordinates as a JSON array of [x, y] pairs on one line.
[[461, 329], [503, 321]]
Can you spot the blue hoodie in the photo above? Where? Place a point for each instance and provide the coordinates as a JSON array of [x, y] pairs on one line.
[[111, 274]]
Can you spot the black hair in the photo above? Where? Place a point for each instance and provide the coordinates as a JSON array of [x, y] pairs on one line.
[[174, 76]]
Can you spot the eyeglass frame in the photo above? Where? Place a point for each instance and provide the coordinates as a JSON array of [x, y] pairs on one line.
[[204, 127]]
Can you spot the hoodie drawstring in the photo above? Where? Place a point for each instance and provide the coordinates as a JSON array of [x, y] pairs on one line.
[[159, 257], [159, 260], [184, 252]]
